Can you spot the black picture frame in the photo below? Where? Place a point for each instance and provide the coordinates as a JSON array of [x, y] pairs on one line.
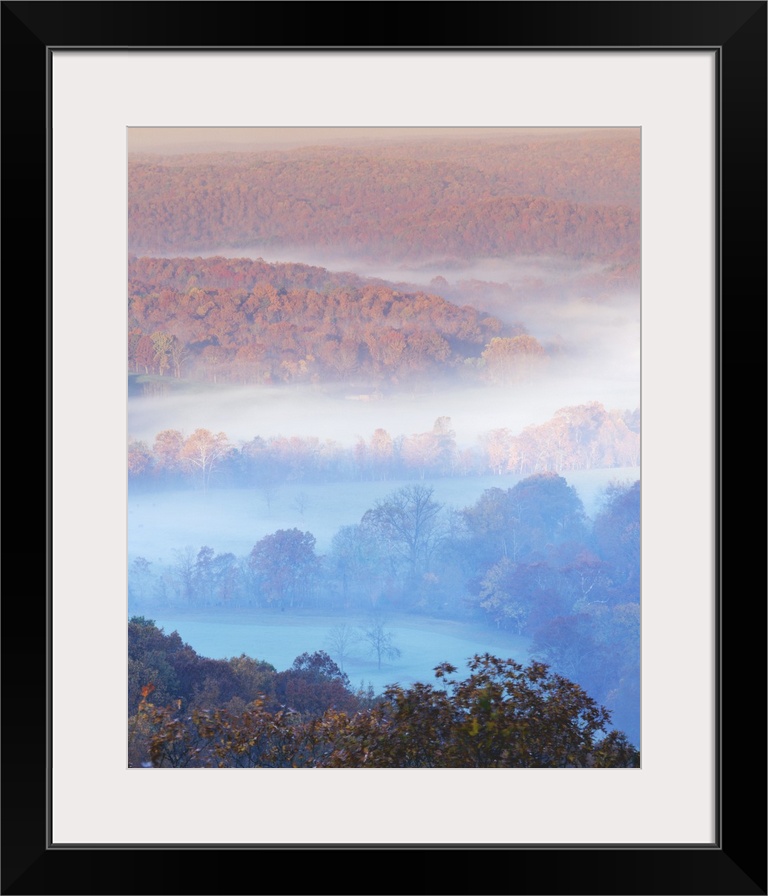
[[736, 861]]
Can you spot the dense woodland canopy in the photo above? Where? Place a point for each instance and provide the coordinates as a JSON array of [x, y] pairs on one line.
[[574, 195], [564, 198], [243, 321]]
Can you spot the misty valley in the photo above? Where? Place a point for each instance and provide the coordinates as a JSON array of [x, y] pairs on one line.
[[383, 499]]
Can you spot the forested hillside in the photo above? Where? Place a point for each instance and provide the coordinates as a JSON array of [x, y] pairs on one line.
[[576, 196], [243, 321]]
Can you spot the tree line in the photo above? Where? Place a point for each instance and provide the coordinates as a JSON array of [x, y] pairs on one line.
[[580, 437]]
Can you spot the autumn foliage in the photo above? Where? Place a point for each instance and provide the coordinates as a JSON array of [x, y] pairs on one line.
[[503, 195], [504, 715], [243, 321], [580, 437]]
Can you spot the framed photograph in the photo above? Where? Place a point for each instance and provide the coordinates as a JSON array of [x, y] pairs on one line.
[[677, 92]]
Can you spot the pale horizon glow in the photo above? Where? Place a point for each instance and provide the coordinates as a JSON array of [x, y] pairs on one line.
[[172, 140]]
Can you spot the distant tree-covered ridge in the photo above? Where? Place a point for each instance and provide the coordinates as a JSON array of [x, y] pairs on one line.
[[572, 196], [186, 711]]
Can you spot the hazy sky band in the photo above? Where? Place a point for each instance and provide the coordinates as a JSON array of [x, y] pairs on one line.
[[214, 139]]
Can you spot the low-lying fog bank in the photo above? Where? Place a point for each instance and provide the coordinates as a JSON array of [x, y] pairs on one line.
[[345, 415], [233, 520]]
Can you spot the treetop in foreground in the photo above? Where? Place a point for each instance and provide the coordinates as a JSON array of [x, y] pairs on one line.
[[504, 715]]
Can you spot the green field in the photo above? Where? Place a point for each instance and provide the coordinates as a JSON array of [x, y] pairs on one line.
[[279, 638]]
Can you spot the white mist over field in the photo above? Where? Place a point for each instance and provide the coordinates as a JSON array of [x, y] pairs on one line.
[[162, 523], [589, 326], [593, 345], [246, 412]]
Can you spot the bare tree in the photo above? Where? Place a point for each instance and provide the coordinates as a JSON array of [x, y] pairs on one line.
[[380, 640], [341, 639], [408, 523], [140, 579], [301, 502], [203, 451]]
